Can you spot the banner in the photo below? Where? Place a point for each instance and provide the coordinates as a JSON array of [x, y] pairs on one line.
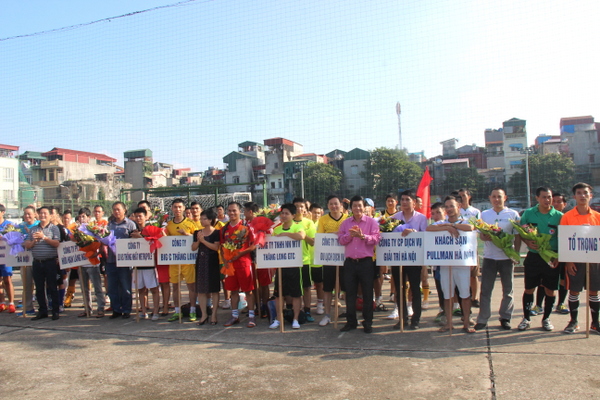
[[176, 250], [441, 248], [279, 252], [22, 259], [394, 250], [328, 251], [579, 243], [134, 253], [69, 256]]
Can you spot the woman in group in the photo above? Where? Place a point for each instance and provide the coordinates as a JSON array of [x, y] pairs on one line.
[[206, 241]]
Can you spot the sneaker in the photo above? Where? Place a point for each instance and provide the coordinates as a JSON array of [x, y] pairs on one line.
[[425, 305], [480, 326], [155, 317], [320, 309], [475, 303], [505, 324], [232, 321], [325, 321], [61, 309], [251, 322], [11, 308], [547, 325], [535, 310], [572, 327], [392, 298], [226, 305], [595, 328], [144, 316], [274, 325], [174, 317], [457, 312], [525, 324], [296, 324], [562, 309], [438, 317], [2, 307], [193, 317], [309, 318], [409, 311], [393, 315]]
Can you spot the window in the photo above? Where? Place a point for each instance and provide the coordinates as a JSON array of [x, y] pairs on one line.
[[592, 158], [8, 174], [279, 184], [272, 185], [354, 169], [236, 179], [8, 195], [276, 165]]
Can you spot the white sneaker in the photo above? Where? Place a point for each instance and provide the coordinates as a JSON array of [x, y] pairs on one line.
[[409, 310], [295, 324], [525, 324], [393, 315], [325, 321], [425, 305], [547, 325], [226, 304], [274, 325], [155, 317], [392, 297], [320, 309]]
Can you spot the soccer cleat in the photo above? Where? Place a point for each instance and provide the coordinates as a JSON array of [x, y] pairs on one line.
[[562, 309], [525, 324], [547, 325], [457, 312], [572, 327], [309, 318], [193, 317], [11, 308], [325, 321], [535, 310], [174, 317], [595, 328], [2, 307]]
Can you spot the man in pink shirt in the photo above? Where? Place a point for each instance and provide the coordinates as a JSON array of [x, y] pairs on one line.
[[359, 234]]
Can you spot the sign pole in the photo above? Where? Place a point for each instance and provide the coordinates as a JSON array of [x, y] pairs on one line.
[[137, 295], [280, 300], [179, 293], [26, 292], [84, 291], [587, 290], [451, 292], [401, 299], [337, 296]]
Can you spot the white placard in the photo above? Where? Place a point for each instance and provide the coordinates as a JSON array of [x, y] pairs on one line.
[[441, 248], [69, 256], [328, 251], [134, 253], [22, 259], [279, 252], [176, 250], [578, 243], [394, 250]]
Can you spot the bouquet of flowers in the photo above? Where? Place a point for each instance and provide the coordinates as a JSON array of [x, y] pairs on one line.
[[504, 241], [14, 238], [388, 224], [158, 218], [233, 243], [272, 212], [152, 233], [542, 240], [260, 227], [99, 230], [87, 244]]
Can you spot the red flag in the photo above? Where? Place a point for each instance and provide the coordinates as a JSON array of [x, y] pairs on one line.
[[424, 193]]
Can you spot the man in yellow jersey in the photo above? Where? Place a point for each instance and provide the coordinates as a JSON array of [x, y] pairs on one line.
[[181, 226], [196, 210]]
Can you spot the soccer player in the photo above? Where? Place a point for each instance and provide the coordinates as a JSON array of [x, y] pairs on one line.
[[537, 271], [495, 262], [359, 234], [179, 225], [195, 211], [460, 275], [582, 214], [6, 273], [559, 202], [330, 223], [308, 242]]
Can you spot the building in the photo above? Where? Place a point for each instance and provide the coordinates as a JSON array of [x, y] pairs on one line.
[[355, 162], [277, 152], [546, 144], [513, 146], [494, 148], [138, 171], [475, 154], [9, 177], [247, 165], [582, 136]]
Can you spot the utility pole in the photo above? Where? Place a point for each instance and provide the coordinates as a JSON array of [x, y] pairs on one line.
[[399, 126]]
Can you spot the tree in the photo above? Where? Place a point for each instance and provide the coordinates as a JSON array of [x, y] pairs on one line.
[[469, 178], [389, 170], [320, 180], [555, 171]]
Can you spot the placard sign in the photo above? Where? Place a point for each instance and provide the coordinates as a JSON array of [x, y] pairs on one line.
[[176, 250], [134, 253], [328, 251], [394, 250], [441, 248], [69, 256], [579, 243], [279, 252], [22, 259]]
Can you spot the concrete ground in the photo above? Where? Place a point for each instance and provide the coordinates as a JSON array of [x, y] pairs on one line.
[[80, 358]]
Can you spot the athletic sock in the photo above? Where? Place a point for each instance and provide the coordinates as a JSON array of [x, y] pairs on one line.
[[425, 293], [574, 306], [548, 304], [539, 297], [61, 296], [177, 310], [250, 313], [235, 313], [193, 310], [527, 304], [562, 295], [594, 308]]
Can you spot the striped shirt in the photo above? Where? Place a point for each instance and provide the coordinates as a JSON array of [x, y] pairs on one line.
[[42, 250]]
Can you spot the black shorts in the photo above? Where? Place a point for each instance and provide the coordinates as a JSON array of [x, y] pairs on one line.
[[577, 283], [291, 281], [316, 273], [306, 278], [329, 278], [538, 272], [73, 274]]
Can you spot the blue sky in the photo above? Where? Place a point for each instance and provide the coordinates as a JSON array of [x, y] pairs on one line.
[[191, 81]]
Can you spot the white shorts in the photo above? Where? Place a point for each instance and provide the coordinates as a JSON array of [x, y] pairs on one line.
[[461, 278], [146, 278]]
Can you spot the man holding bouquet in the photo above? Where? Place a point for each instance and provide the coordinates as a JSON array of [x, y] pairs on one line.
[[496, 260]]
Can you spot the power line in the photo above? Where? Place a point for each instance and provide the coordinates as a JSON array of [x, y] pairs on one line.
[[76, 26]]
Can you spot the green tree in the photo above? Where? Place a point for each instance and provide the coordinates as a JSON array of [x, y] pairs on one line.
[[462, 177], [389, 170], [555, 171], [320, 180]]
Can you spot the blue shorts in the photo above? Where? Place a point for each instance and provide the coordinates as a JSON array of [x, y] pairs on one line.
[[5, 271]]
